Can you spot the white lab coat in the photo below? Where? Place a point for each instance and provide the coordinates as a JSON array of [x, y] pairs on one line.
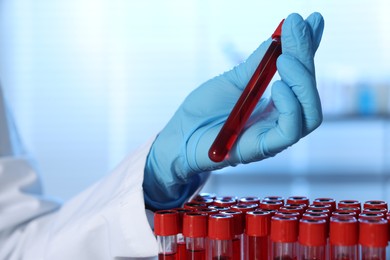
[[106, 221]]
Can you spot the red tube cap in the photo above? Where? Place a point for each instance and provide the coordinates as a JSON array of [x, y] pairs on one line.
[[343, 231], [194, 206], [298, 200], [349, 204], [326, 201], [375, 204], [238, 221], [258, 223], [312, 232], [195, 224], [284, 230], [274, 198], [249, 200], [181, 212], [371, 216], [270, 204], [166, 222], [373, 233], [221, 227]]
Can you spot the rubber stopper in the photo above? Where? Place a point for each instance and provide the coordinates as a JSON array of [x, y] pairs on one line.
[[312, 232], [166, 222], [221, 227], [249, 200], [284, 230], [274, 198], [258, 223], [373, 233], [195, 224], [343, 231]]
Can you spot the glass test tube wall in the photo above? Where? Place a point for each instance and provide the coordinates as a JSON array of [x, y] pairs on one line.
[[274, 228]]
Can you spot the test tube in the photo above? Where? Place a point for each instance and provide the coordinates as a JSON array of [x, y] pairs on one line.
[[195, 233], [238, 230], [284, 235], [166, 229], [373, 239], [181, 244], [248, 100], [258, 224], [312, 239], [220, 233], [343, 238]]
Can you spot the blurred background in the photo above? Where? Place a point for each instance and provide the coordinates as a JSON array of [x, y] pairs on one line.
[[90, 81]]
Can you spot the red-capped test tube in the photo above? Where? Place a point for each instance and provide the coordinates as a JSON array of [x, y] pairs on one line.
[[298, 200], [248, 100], [326, 201], [221, 234], [195, 233], [181, 244], [343, 238], [312, 239], [166, 229], [349, 204], [238, 230], [284, 236], [258, 224], [373, 239], [274, 198], [375, 204]]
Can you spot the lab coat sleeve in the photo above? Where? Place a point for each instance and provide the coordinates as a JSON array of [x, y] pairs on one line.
[[106, 221]]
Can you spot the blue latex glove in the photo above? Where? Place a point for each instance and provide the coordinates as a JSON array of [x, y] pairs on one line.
[[179, 155]]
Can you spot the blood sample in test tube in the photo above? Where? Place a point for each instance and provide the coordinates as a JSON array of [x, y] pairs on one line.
[[166, 230], [284, 236], [373, 239], [312, 239], [343, 238], [195, 233], [258, 225], [220, 234], [238, 240], [181, 244]]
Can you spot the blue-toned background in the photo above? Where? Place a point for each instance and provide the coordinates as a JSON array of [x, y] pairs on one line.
[[89, 81]]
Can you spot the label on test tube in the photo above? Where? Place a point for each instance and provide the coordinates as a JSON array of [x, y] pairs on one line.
[[166, 230], [343, 238]]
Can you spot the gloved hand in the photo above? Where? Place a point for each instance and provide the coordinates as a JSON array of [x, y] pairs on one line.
[[180, 151]]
